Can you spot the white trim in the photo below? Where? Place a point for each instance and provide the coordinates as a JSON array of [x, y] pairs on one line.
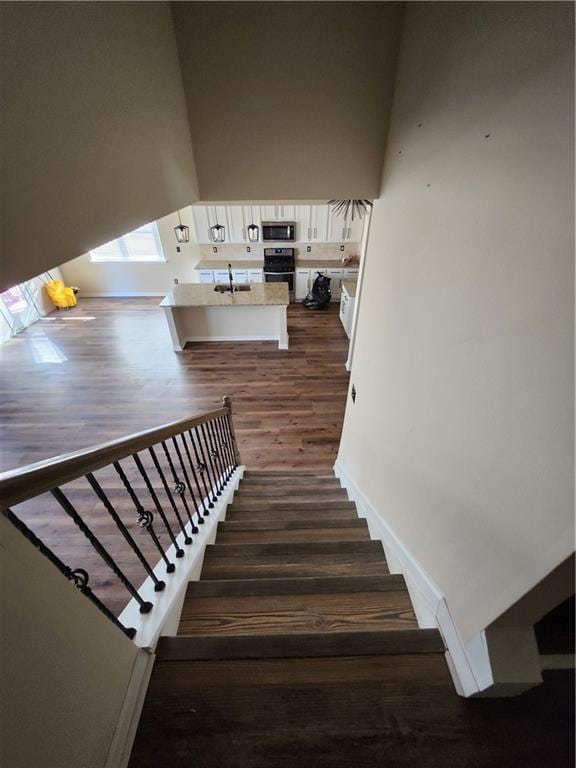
[[119, 294], [469, 663], [257, 337], [125, 733], [168, 603]]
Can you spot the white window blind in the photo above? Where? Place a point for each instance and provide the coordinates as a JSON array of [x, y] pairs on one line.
[[141, 245]]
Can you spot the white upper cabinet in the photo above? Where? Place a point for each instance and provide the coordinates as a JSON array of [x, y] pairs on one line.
[[238, 224], [314, 223]]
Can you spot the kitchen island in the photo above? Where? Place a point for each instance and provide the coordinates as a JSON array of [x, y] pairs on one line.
[[255, 312]]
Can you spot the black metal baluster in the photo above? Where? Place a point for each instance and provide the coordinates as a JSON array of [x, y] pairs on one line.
[[208, 453], [217, 454], [225, 446], [187, 538], [152, 492], [77, 575], [195, 476], [158, 584], [189, 484], [68, 507], [145, 518], [231, 439], [179, 487], [201, 467], [206, 462]]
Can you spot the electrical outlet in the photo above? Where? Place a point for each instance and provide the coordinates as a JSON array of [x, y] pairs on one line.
[[177, 249], [214, 249], [353, 393], [248, 249], [308, 248], [341, 247]]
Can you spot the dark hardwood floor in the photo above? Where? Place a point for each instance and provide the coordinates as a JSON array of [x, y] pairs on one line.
[[106, 369]]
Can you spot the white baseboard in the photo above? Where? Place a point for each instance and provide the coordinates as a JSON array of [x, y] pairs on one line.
[[469, 663], [125, 733], [119, 294], [258, 337]]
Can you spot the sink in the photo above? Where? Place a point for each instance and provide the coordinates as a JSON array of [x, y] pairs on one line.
[[225, 288]]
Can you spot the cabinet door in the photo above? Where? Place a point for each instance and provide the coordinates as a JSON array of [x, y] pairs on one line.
[[302, 284], [205, 275], [240, 275], [201, 223], [221, 276], [351, 273], [337, 228], [269, 212], [320, 223], [237, 221], [286, 212], [355, 230], [335, 276], [255, 276], [304, 224]]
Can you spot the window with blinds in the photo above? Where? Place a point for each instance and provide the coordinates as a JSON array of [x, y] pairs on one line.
[[141, 245]]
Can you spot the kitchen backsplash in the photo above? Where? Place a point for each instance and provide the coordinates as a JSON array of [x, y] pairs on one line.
[[318, 251]]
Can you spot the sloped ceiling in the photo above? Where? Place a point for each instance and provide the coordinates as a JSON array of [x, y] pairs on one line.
[[119, 113]]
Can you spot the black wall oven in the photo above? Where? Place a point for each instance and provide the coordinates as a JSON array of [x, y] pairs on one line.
[[278, 231], [279, 267]]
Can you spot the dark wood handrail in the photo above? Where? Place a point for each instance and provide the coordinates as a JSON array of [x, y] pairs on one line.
[[24, 483]]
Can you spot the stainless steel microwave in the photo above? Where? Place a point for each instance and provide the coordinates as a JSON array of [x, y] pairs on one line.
[[278, 231]]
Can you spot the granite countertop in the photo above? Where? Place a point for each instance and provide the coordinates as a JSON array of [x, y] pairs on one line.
[[350, 287], [259, 264], [204, 295]]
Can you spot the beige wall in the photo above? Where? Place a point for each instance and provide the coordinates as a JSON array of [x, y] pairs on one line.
[[95, 141], [138, 278], [288, 100], [462, 431], [64, 668]]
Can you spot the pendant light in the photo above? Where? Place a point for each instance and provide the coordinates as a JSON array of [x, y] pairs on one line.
[[253, 233], [182, 232], [218, 233], [343, 207]]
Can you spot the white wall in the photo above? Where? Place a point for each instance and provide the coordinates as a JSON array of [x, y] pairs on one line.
[[138, 278], [462, 431], [288, 100], [64, 668], [95, 139]]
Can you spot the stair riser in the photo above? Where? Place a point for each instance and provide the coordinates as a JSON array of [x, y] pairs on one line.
[[288, 515], [319, 586], [304, 534], [294, 570]]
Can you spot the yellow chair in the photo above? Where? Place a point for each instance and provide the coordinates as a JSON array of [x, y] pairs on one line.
[[62, 296]]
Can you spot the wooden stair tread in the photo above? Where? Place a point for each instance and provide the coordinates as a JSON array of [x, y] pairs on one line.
[[359, 643], [218, 552], [332, 512], [279, 505], [272, 524], [296, 613], [294, 535], [304, 586], [321, 565]]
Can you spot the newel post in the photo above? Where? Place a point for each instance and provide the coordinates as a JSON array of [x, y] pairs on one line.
[[227, 404]]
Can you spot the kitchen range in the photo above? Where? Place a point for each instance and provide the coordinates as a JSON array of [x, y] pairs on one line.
[[280, 267]]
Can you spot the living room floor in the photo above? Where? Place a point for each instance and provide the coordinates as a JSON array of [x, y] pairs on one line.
[[106, 369]]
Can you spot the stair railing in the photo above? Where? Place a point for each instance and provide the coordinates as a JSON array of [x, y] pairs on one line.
[[172, 476]]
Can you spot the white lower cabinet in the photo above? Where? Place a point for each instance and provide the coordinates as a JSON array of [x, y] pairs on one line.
[[346, 312], [240, 275], [221, 276], [255, 276], [302, 283], [205, 275]]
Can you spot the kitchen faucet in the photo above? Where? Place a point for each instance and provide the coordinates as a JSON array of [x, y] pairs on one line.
[[230, 278]]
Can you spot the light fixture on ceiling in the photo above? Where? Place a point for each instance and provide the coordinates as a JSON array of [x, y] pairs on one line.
[[182, 232], [253, 233], [357, 207], [218, 233]]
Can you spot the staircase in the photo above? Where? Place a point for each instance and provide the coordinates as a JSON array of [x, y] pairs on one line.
[[293, 643]]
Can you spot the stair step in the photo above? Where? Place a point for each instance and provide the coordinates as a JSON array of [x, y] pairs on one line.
[[306, 586], [369, 643], [283, 534], [291, 482], [296, 613], [289, 493], [283, 504], [333, 558], [249, 473], [272, 524], [282, 514]]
